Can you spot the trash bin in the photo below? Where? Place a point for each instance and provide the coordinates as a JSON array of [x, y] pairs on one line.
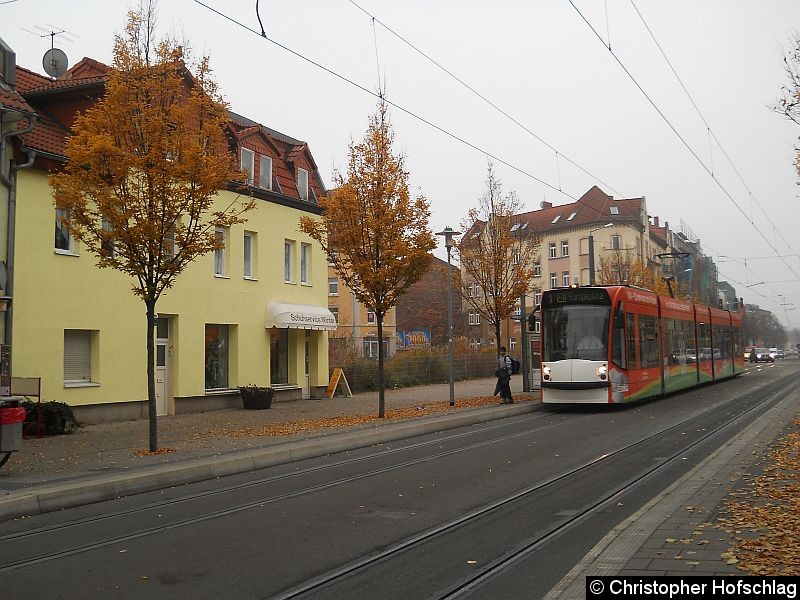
[[12, 416]]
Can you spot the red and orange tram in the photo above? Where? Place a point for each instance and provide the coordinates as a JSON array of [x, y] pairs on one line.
[[617, 344]]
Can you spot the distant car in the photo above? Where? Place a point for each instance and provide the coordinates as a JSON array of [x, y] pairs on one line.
[[762, 355], [748, 354], [691, 355], [773, 352], [780, 354]]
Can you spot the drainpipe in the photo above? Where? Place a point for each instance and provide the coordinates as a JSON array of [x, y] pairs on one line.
[[10, 182]]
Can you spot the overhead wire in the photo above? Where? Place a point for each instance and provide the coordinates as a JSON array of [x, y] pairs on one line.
[[384, 99], [680, 137], [711, 133], [481, 96]]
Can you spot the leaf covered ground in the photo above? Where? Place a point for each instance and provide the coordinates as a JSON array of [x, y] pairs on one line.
[[764, 516]]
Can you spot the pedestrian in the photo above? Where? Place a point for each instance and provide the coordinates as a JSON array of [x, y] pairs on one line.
[[504, 370]]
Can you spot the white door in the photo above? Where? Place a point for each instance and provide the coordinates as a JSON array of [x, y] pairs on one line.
[[307, 378], [162, 360]]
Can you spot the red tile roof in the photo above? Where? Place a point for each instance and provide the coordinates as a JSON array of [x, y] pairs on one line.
[[13, 100]]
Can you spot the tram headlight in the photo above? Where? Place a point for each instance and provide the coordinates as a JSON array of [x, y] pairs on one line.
[[546, 372], [602, 372]]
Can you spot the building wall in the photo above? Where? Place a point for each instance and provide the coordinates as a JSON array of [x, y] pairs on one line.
[[54, 292]]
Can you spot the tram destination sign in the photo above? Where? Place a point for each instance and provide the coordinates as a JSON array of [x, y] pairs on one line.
[[575, 296]]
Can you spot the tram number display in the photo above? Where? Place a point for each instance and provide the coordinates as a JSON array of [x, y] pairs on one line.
[[576, 296]]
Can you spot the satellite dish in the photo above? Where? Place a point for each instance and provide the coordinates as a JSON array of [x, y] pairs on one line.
[[55, 62]]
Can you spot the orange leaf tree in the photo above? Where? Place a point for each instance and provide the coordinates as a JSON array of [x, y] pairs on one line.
[[376, 235], [497, 254], [621, 268], [143, 170]]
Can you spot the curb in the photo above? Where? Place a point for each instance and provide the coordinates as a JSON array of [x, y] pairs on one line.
[[58, 496]]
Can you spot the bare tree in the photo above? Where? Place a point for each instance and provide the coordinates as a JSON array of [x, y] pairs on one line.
[[497, 254]]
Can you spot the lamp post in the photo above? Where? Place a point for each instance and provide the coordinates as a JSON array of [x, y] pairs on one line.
[[449, 242], [591, 251]]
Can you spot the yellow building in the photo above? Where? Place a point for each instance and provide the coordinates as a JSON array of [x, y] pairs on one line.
[[252, 313]]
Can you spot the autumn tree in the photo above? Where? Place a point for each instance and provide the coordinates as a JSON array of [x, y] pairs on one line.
[[620, 267], [140, 185], [497, 254], [789, 101], [375, 234]]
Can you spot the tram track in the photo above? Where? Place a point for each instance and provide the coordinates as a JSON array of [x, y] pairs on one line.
[[260, 502], [523, 548]]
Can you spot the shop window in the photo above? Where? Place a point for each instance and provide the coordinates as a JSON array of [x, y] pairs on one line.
[[217, 352], [279, 356]]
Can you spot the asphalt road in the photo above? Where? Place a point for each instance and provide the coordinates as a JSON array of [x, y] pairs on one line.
[[416, 518]]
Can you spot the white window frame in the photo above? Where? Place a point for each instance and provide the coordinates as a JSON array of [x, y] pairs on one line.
[[537, 269], [370, 317], [221, 254], [265, 172], [305, 263], [335, 312], [64, 229], [552, 246], [564, 247], [333, 286], [616, 242], [512, 343], [78, 350], [553, 281], [250, 243], [537, 298], [302, 183], [288, 261], [565, 278], [247, 163]]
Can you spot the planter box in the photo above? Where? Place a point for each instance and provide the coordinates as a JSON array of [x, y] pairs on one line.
[[256, 398]]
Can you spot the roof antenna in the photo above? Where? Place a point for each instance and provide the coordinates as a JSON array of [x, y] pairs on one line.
[[54, 61]]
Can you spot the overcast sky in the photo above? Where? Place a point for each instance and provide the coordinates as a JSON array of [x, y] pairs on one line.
[[540, 63]]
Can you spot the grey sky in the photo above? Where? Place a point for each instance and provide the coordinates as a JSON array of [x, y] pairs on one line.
[[542, 64]]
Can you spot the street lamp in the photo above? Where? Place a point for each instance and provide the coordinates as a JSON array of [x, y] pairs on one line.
[[449, 242], [591, 251]]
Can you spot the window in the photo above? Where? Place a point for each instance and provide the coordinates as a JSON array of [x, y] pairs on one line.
[[552, 247], [474, 318], [77, 355], [371, 347], [265, 172], [305, 262], [537, 299], [302, 183], [614, 210], [288, 261], [516, 258], [537, 326], [64, 241], [249, 254], [216, 357], [555, 220], [220, 258], [278, 356], [572, 216], [335, 312], [553, 280], [512, 343], [565, 278], [370, 316], [537, 269], [615, 242], [565, 248], [517, 312], [333, 286], [168, 244], [107, 245], [248, 164]]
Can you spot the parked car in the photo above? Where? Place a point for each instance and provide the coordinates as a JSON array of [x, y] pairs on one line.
[[763, 355], [773, 352], [691, 355], [748, 354], [780, 353]]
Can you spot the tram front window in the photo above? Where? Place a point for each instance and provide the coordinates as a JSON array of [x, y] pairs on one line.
[[575, 331]]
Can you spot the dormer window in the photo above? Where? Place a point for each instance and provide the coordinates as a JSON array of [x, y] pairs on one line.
[[614, 210], [248, 164], [572, 216], [265, 173], [555, 220], [302, 183]]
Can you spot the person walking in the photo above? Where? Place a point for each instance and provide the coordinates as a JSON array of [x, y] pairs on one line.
[[504, 370]]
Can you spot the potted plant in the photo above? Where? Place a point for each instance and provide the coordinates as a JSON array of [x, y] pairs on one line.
[[255, 397]]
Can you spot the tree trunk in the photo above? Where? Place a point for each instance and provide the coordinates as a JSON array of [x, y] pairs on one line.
[[151, 374], [497, 335], [381, 384]]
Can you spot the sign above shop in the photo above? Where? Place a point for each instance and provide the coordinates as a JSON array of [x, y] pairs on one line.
[[299, 316]]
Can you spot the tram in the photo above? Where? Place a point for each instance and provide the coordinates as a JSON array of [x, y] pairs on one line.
[[618, 344]]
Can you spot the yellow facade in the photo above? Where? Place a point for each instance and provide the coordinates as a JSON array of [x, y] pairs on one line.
[[56, 291]]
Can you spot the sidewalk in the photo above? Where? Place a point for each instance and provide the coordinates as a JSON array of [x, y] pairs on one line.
[[104, 461]]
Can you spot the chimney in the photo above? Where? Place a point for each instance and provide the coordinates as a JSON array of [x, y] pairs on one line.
[[655, 221], [545, 204]]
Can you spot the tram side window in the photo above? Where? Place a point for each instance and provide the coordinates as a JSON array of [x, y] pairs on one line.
[[737, 341], [632, 349], [723, 344], [618, 354], [703, 341], [648, 343]]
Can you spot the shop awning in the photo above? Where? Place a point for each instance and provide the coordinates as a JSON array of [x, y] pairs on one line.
[[299, 316]]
